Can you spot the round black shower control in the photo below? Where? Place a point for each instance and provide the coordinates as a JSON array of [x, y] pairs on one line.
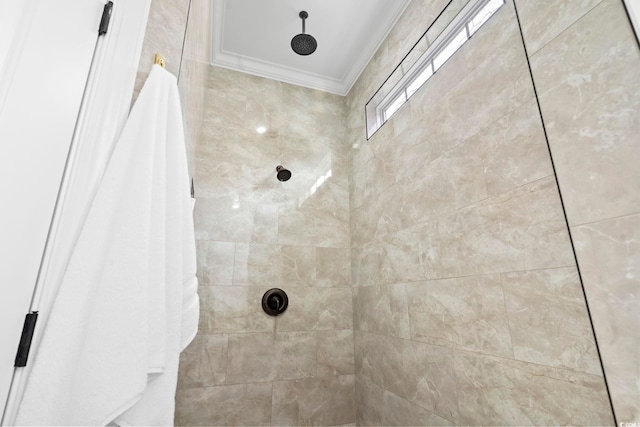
[[275, 302]]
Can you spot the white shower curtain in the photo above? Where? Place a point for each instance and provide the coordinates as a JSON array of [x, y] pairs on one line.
[[128, 303]]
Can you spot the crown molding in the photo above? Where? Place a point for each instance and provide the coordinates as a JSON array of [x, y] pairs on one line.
[[270, 70], [279, 72]]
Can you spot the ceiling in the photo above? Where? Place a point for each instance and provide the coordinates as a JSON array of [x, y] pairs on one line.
[[254, 36]]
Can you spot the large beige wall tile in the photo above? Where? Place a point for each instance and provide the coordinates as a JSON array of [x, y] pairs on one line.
[[274, 265], [521, 229], [453, 180], [233, 309], [382, 309], [311, 226], [410, 255], [468, 313], [317, 309], [589, 84], [296, 355], [268, 357], [609, 256], [232, 405], [514, 150], [364, 264], [215, 263], [419, 372], [333, 267], [496, 391], [548, 319], [326, 402], [365, 220], [335, 353], [203, 363], [377, 406], [288, 265], [216, 178], [360, 186], [225, 219]]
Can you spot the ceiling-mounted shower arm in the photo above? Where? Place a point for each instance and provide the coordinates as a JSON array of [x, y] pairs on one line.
[[303, 15]]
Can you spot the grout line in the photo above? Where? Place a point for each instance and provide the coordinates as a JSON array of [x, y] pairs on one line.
[[492, 273], [595, 339], [485, 355], [600, 221], [328, 377]]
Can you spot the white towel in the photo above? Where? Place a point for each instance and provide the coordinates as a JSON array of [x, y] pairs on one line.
[[128, 303], [156, 407]]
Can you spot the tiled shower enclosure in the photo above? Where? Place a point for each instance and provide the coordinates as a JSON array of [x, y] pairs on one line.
[[430, 271]]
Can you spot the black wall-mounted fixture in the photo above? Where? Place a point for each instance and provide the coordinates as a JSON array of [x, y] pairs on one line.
[[282, 173], [304, 44], [275, 302]]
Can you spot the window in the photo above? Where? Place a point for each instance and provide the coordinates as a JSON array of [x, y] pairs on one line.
[[450, 48], [395, 105], [484, 14], [420, 80], [465, 23]]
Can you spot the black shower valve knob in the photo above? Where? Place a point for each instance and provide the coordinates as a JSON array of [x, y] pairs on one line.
[[275, 302]]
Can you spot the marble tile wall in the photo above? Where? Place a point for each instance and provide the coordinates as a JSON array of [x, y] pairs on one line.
[[468, 309], [254, 233], [586, 67]]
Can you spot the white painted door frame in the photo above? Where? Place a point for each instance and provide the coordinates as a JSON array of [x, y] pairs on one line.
[[45, 58], [103, 112], [633, 8]]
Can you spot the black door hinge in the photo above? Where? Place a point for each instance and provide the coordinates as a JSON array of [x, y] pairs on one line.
[[106, 17], [25, 339]]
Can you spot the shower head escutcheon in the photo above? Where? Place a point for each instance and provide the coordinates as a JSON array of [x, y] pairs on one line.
[[304, 44], [282, 173]]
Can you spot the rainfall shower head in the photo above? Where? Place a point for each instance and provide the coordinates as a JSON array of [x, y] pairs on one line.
[[304, 44], [283, 174]]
